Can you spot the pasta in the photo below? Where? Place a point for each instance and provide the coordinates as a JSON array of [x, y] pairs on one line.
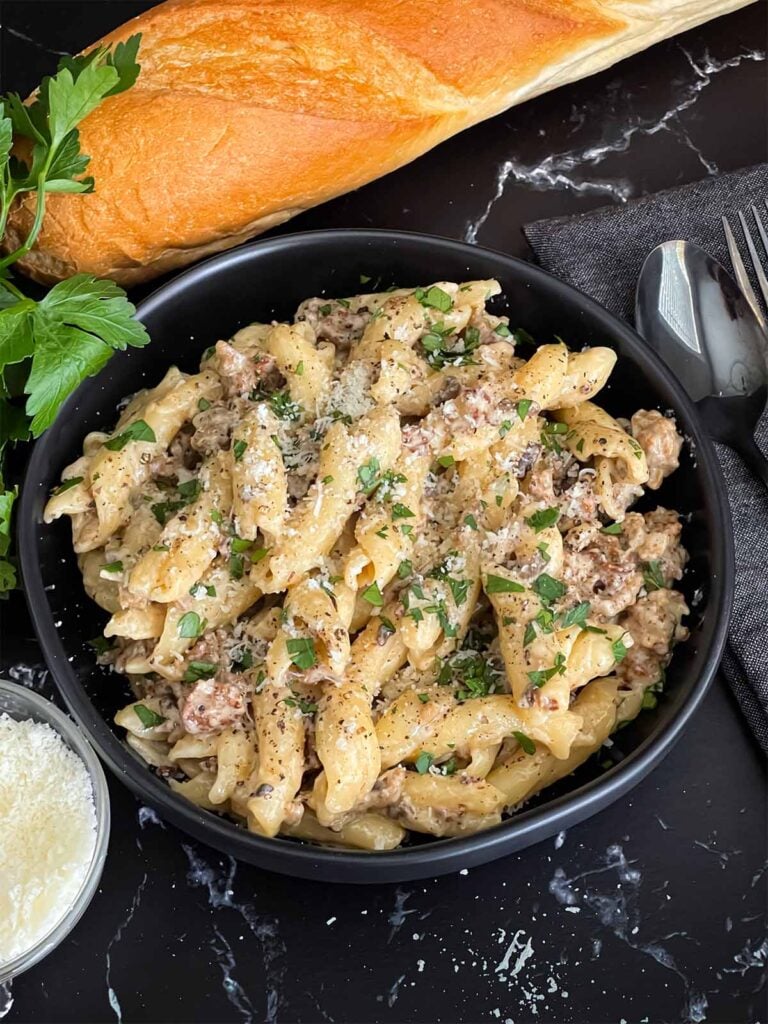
[[375, 572]]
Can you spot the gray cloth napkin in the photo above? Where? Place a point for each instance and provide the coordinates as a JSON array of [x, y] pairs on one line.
[[601, 253]]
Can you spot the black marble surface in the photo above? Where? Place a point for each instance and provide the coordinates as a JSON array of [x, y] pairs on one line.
[[653, 911]]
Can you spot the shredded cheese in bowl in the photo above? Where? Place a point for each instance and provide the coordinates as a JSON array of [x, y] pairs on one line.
[[54, 824]]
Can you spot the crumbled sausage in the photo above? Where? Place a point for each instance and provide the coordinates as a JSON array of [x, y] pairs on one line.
[[658, 437]]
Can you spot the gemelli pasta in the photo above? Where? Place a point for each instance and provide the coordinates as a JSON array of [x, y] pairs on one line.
[[376, 570]]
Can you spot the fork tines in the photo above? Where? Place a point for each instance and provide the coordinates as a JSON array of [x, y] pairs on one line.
[[738, 264]]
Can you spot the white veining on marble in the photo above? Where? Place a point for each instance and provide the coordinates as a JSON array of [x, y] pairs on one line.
[[616, 909], [6, 999], [114, 1002], [749, 957], [34, 42], [234, 990], [722, 855], [34, 677], [556, 170], [148, 816], [220, 888], [399, 914]]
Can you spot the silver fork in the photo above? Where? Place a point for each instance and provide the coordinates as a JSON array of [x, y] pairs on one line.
[[738, 263]]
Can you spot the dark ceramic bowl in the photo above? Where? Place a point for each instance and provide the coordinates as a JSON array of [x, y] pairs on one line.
[[268, 280]]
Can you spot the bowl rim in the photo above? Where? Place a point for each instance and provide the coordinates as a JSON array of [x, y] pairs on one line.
[[70, 732], [439, 855]]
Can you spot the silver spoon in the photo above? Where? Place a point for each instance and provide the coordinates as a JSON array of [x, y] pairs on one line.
[[692, 314]]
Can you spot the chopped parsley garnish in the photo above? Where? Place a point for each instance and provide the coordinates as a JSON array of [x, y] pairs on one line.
[[373, 595], [147, 716], [612, 529], [386, 629], [502, 330], [522, 337], [524, 407], [505, 428], [238, 450], [434, 298], [306, 707], [284, 407], [240, 544], [203, 404], [406, 530], [325, 310], [551, 434], [473, 675], [199, 590], [383, 532], [501, 585], [368, 475], [191, 626], [526, 743], [160, 547], [189, 490], [543, 550], [439, 354], [542, 676], [243, 661], [300, 368], [423, 697], [199, 670], [401, 511], [65, 485], [470, 521], [236, 566], [405, 569], [576, 616], [653, 577], [619, 650], [446, 461], [327, 479], [548, 588], [543, 519], [302, 652], [423, 762], [113, 567], [100, 644], [139, 430]]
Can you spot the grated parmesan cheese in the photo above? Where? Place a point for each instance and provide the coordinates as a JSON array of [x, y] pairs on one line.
[[47, 832]]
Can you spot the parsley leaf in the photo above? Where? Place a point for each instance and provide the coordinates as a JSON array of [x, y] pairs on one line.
[[423, 762], [543, 519], [147, 716], [653, 576], [191, 626], [199, 670], [139, 430], [613, 529], [302, 652], [619, 650], [548, 588], [373, 595], [434, 298], [501, 585], [526, 743]]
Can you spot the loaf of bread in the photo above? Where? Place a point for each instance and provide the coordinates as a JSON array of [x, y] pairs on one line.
[[247, 112]]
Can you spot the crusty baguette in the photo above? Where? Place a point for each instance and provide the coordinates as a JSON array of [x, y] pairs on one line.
[[247, 112]]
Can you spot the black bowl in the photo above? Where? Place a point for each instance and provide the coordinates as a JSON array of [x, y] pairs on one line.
[[268, 280]]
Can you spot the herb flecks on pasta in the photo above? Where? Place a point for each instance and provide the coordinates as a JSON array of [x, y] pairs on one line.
[[372, 571]]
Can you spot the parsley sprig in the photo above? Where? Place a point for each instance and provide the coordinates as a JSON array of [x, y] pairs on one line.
[[48, 348]]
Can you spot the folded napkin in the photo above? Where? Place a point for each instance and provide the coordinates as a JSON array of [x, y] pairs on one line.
[[601, 253]]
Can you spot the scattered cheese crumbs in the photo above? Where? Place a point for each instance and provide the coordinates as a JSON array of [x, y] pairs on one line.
[[47, 832]]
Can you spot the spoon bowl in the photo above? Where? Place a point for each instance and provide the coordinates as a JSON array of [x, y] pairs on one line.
[[693, 314]]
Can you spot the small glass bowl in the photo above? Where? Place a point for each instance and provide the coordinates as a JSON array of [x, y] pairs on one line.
[[20, 703]]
